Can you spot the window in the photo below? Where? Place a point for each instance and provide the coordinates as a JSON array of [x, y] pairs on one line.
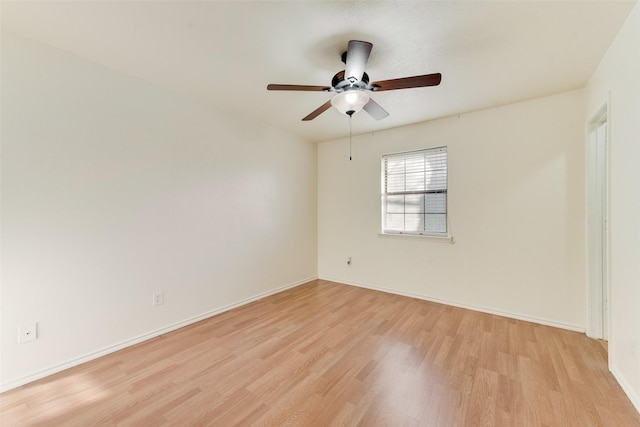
[[414, 192]]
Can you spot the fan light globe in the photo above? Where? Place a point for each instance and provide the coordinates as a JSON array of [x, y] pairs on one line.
[[350, 100]]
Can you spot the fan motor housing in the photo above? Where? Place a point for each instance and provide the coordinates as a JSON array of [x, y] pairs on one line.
[[340, 84]]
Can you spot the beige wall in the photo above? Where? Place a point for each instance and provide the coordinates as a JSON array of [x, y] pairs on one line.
[[113, 188], [516, 206], [617, 79]]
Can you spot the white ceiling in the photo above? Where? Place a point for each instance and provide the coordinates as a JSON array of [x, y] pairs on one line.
[[490, 53]]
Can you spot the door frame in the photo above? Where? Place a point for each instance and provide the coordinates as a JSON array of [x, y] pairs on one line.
[[598, 245]]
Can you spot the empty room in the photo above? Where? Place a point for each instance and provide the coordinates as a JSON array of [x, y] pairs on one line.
[[319, 213]]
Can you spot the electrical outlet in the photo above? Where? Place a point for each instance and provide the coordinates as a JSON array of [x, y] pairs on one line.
[[28, 333], [158, 298]]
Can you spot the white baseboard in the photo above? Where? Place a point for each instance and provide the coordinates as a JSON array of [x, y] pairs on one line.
[[633, 397], [570, 327], [141, 338]]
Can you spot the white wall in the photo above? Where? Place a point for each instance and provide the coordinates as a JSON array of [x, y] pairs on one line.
[[516, 206], [113, 188], [617, 77]]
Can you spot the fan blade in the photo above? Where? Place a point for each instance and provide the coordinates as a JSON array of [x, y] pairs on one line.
[[375, 110], [357, 57], [305, 88], [315, 113], [408, 82]]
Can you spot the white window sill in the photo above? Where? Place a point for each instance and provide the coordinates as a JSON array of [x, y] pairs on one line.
[[441, 239]]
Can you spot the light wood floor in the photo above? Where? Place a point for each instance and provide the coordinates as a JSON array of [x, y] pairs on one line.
[[328, 354]]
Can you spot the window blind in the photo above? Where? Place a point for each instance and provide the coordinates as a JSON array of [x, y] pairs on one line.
[[414, 192]]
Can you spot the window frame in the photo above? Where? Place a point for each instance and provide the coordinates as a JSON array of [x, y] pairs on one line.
[[387, 231]]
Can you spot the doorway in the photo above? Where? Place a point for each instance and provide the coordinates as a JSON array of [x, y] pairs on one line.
[[598, 227]]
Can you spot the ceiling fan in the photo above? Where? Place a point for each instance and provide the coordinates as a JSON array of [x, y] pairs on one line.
[[352, 85]]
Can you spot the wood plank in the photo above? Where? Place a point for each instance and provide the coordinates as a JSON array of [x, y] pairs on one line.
[[325, 354]]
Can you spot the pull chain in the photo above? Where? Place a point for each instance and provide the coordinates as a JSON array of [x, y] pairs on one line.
[[350, 117]]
